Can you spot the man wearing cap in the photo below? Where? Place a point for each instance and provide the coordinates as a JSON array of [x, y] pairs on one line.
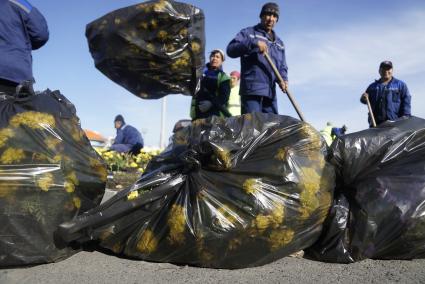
[[234, 98], [128, 139], [213, 95], [388, 96], [258, 81], [22, 29]]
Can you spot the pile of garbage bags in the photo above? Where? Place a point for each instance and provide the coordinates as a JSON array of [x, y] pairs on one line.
[[226, 193], [152, 49], [49, 173], [379, 208]]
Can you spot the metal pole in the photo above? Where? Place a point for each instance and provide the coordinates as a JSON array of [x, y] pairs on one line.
[[291, 98], [162, 133]]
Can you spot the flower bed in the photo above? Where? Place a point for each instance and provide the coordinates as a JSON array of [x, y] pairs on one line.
[[124, 169]]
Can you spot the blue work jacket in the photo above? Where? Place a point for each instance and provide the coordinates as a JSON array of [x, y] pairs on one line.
[[257, 76], [390, 101], [22, 29], [129, 135]]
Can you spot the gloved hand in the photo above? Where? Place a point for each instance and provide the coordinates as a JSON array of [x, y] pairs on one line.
[[204, 106]]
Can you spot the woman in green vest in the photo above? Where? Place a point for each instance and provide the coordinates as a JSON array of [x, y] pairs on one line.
[[213, 95]]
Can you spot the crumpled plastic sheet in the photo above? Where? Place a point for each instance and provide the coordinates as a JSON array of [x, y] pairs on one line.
[[226, 193], [49, 173], [152, 49], [379, 209]]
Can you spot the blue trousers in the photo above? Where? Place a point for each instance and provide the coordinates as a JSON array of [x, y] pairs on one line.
[[258, 104]]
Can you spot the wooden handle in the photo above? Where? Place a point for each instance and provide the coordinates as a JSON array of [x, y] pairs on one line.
[[291, 98], [370, 111]]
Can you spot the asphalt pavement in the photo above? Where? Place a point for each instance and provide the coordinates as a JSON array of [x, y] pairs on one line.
[[95, 267]]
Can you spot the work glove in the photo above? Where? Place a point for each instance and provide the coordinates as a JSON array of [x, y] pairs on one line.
[[204, 106]]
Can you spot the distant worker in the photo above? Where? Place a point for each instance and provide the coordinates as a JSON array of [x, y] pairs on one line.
[[338, 132], [128, 139], [235, 98], [327, 133], [213, 96], [389, 97], [22, 29], [258, 81]]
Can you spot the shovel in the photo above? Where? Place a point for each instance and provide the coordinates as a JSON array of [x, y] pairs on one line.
[[291, 98], [370, 111]]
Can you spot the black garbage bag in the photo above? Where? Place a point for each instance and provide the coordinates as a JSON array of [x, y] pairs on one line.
[[226, 193], [152, 49], [379, 209], [49, 173]]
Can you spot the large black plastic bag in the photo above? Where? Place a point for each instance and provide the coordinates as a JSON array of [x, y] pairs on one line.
[[48, 174], [227, 193], [379, 209], [152, 49]]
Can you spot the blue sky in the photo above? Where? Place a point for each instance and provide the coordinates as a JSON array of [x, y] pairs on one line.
[[333, 50]]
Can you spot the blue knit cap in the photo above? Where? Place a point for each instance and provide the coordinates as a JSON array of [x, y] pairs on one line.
[[270, 8]]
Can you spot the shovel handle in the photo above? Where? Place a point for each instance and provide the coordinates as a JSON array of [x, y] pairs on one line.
[[279, 77], [370, 111]]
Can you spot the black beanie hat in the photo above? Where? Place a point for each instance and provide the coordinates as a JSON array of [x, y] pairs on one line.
[[119, 118], [270, 8]]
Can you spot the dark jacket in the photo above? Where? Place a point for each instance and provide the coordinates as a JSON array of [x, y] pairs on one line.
[[389, 102], [257, 76], [215, 87], [22, 29], [128, 135]]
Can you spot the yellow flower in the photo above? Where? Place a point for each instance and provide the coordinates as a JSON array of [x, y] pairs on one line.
[[282, 153], [69, 187], [280, 238], [70, 182], [277, 215], [162, 35], [117, 248], [141, 170], [177, 223], [150, 47], [143, 25], [308, 200], [99, 169], [196, 47], [147, 243], [183, 32], [52, 142], [56, 159], [12, 155], [33, 119], [159, 6], [227, 217], [134, 165], [5, 134], [154, 24], [307, 131], [45, 182], [132, 195], [6, 189], [251, 185], [77, 202], [225, 158], [261, 223]]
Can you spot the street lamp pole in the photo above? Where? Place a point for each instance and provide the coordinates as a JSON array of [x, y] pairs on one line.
[[162, 134]]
